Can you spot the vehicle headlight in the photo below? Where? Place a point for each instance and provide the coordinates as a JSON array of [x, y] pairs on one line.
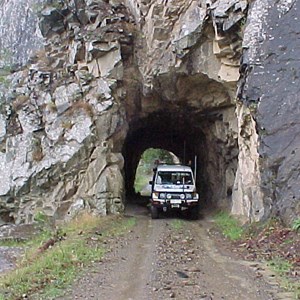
[[182, 196], [169, 196], [195, 196], [162, 195], [155, 195], [188, 196]]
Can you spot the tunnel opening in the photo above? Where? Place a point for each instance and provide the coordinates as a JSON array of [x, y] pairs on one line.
[[150, 158], [208, 137]]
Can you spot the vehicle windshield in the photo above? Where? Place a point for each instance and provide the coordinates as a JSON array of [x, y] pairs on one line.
[[174, 178]]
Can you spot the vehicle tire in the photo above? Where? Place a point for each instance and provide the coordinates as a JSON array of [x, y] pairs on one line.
[[194, 213], [154, 212]]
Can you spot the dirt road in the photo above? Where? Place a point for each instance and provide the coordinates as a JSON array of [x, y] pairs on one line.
[[170, 258]]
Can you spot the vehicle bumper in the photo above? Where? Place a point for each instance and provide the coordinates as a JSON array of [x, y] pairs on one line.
[[174, 204]]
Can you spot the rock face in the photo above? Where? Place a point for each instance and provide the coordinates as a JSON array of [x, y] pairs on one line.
[[19, 31], [271, 88], [115, 78], [55, 154]]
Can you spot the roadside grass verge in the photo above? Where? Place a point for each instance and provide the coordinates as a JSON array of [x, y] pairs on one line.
[[54, 259], [280, 266], [228, 225], [13, 243], [283, 268], [271, 242]]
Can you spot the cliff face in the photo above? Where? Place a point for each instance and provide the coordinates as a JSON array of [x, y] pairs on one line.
[[271, 88], [114, 78], [19, 32]]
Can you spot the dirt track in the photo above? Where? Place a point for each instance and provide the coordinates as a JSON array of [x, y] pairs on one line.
[[170, 258]]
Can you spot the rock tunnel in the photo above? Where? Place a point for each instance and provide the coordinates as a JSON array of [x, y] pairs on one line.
[[165, 74], [193, 117]]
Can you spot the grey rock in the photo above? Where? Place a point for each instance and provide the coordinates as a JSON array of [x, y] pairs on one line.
[[51, 21], [19, 32], [270, 49]]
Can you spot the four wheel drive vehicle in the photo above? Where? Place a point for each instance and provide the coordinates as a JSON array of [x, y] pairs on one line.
[[173, 188]]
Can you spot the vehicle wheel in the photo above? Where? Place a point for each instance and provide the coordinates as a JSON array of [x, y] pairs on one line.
[[194, 213], [154, 212]]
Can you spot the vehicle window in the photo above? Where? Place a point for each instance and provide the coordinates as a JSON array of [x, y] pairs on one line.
[[174, 178]]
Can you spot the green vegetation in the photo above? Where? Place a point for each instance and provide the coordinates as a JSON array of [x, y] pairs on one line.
[[283, 267], [141, 181], [296, 225], [271, 242], [177, 224], [280, 266], [12, 243], [151, 154], [144, 170], [229, 226], [52, 261]]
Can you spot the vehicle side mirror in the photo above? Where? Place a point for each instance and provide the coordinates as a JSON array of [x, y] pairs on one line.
[[151, 182]]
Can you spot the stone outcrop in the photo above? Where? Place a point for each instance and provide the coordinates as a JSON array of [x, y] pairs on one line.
[[270, 89], [115, 78], [56, 128], [19, 31]]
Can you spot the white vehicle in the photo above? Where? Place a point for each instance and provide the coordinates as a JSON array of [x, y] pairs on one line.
[[173, 188]]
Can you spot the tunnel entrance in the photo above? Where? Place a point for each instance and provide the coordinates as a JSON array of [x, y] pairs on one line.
[[208, 136]]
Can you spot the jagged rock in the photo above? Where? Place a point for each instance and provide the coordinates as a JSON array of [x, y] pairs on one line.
[[269, 89], [98, 49], [19, 32], [77, 207], [65, 95], [188, 35], [2, 128], [52, 21]]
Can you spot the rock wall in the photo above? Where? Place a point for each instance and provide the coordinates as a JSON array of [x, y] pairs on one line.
[[270, 88], [114, 78], [57, 127], [19, 32]]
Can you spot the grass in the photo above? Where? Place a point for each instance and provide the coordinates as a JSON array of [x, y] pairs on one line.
[[296, 225], [177, 224], [282, 267], [48, 271], [229, 226], [13, 243]]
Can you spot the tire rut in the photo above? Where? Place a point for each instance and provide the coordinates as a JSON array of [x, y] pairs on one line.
[[158, 261]]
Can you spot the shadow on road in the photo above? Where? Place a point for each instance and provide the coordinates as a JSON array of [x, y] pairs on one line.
[[138, 205]]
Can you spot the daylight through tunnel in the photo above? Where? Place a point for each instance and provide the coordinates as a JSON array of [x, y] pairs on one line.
[[208, 134]]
